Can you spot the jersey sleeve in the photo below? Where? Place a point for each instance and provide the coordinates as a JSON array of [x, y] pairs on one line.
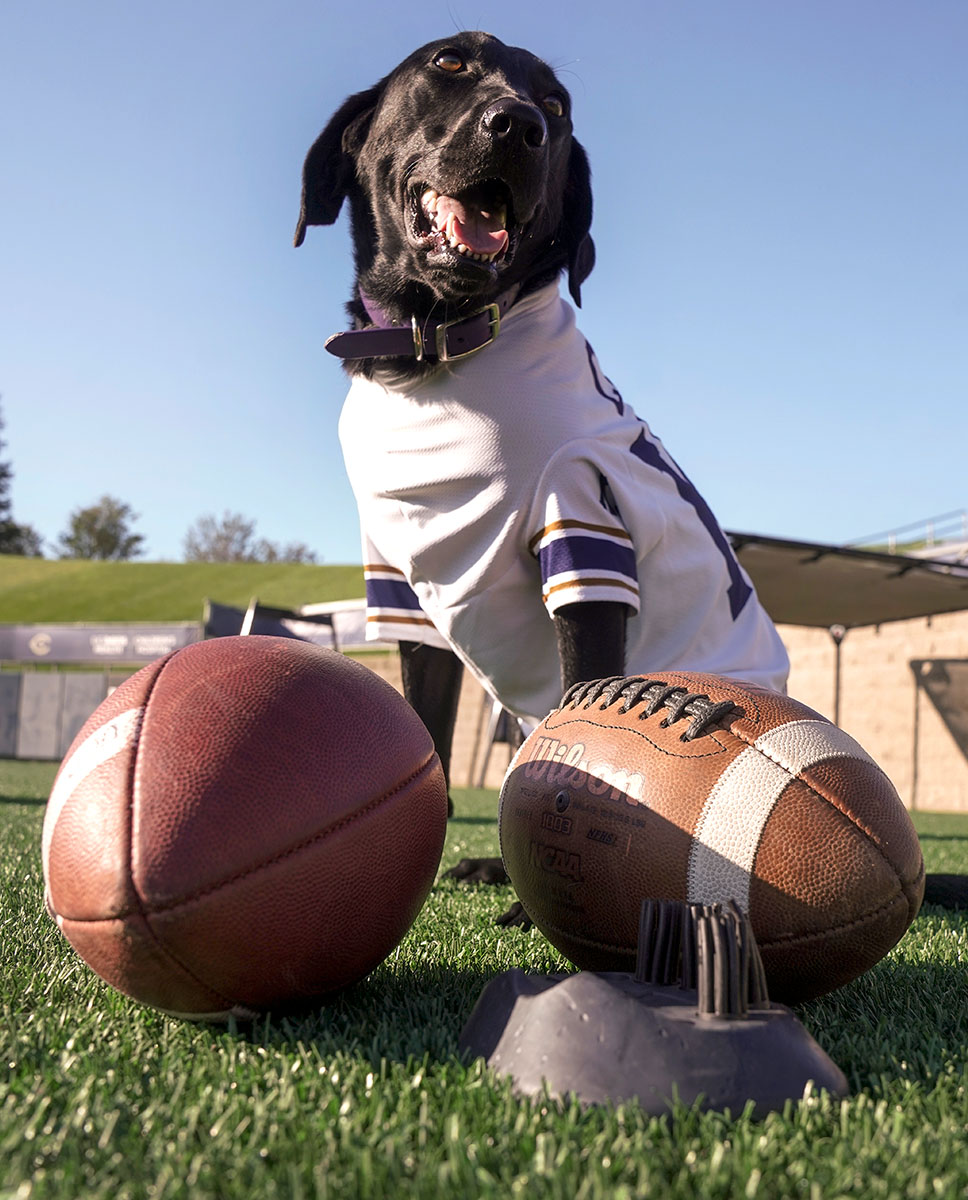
[[583, 548], [393, 612]]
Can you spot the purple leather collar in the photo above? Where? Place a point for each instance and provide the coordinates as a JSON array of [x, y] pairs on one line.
[[441, 341]]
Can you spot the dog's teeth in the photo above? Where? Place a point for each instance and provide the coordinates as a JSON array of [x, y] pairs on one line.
[[428, 202]]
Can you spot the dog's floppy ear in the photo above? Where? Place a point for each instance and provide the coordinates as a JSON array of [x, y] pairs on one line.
[[329, 164], [577, 220]]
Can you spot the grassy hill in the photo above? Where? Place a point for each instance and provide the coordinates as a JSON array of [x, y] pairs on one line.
[[36, 589]]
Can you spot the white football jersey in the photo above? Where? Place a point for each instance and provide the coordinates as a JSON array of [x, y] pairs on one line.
[[519, 480]]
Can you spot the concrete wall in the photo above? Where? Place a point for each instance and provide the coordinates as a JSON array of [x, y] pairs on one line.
[[881, 706]]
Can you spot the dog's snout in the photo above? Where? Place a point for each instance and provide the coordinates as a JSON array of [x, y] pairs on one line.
[[514, 120]]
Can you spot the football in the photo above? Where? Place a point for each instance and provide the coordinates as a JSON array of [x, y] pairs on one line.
[[247, 824], [697, 788]]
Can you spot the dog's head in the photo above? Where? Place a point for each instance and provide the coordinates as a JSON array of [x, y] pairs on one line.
[[462, 175]]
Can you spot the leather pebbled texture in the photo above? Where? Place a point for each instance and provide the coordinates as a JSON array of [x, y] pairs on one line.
[[263, 834]]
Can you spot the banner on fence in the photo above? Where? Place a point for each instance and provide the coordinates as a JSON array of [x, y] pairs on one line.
[[112, 643]]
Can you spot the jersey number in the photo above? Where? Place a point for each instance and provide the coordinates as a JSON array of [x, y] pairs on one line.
[[739, 590]]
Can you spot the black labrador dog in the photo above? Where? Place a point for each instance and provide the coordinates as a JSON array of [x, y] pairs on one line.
[[468, 195], [474, 136]]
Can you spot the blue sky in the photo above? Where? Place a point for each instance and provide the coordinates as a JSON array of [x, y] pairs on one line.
[[782, 280]]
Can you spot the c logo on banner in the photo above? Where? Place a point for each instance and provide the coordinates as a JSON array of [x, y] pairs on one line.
[[39, 644]]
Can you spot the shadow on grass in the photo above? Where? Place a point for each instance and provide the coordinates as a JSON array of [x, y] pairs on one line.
[[395, 1016], [943, 837], [472, 820], [37, 801]]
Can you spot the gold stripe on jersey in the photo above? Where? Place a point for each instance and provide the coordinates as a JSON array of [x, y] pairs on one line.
[[581, 582], [380, 569], [614, 531]]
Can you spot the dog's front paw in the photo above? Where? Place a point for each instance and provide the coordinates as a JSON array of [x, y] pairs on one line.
[[516, 917], [478, 870]]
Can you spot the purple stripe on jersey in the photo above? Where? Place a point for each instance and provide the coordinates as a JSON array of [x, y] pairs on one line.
[[390, 593], [739, 591], [584, 554]]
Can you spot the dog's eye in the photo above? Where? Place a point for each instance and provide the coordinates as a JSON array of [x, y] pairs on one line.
[[554, 105], [449, 60]]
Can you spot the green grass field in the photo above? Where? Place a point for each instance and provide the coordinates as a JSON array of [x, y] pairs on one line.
[[37, 589], [367, 1097]]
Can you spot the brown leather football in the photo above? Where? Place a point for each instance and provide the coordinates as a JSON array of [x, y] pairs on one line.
[[698, 788], [248, 823]]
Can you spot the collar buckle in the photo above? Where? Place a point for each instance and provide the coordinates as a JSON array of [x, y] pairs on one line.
[[418, 341], [493, 314]]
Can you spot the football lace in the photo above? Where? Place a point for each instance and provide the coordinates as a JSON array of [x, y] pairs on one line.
[[654, 694]]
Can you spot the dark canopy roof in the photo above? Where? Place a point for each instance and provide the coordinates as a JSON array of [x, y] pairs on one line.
[[803, 583]]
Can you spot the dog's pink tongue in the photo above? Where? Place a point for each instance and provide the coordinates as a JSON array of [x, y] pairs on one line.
[[478, 229]]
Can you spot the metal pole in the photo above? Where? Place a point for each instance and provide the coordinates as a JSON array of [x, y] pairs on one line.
[[838, 633], [919, 669]]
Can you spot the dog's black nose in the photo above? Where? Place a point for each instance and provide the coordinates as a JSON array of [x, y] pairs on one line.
[[515, 120]]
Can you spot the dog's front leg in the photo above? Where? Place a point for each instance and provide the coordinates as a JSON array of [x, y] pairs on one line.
[[431, 686], [591, 641], [591, 645]]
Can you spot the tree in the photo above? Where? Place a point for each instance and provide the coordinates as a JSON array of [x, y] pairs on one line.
[[14, 538], [101, 531], [20, 539], [291, 552], [231, 539], [225, 540]]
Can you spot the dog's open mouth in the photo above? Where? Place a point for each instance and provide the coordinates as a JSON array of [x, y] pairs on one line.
[[474, 224]]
